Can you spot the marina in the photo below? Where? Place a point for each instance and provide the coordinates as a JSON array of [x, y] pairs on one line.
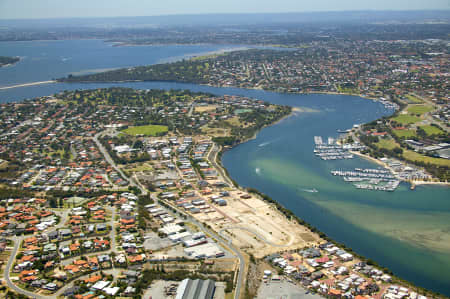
[[369, 179], [343, 131], [330, 150], [388, 104]]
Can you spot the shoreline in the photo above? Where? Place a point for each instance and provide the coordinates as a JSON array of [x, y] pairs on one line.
[[276, 204], [372, 159], [293, 111], [12, 63], [62, 80], [300, 222], [412, 183], [28, 84]]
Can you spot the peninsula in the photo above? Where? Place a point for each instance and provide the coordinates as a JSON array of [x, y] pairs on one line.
[[5, 60], [417, 133]]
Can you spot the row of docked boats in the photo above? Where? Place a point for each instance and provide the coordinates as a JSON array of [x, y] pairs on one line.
[[369, 179], [390, 186], [330, 150], [364, 173]]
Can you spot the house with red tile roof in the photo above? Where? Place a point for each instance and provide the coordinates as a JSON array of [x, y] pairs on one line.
[[93, 279]]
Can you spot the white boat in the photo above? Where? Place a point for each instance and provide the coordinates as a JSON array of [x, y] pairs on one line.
[[313, 190]]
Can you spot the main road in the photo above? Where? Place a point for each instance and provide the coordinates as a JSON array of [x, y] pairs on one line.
[[113, 164], [212, 157], [212, 154], [227, 243]]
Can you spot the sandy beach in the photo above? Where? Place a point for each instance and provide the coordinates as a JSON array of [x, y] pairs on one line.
[[27, 84]]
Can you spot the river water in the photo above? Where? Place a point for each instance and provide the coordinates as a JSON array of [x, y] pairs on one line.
[[406, 231]]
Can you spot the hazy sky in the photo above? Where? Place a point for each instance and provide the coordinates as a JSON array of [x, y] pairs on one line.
[[12, 9]]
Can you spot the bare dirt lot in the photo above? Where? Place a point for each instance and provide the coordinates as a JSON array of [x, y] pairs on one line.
[[283, 290], [208, 108], [154, 242], [158, 289], [257, 226]]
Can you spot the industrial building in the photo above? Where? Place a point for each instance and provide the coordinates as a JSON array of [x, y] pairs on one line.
[[207, 250], [196, 289]]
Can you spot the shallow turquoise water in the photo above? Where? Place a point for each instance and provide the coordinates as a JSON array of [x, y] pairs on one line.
[[406, 231]]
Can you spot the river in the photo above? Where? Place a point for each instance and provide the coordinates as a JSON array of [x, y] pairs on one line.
[[406, 231]]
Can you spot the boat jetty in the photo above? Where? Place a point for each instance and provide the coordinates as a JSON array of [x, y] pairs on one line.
[[331, 150], [370, 179], [388, 104]]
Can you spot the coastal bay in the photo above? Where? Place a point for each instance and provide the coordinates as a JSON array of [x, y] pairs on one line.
[[405, 231]]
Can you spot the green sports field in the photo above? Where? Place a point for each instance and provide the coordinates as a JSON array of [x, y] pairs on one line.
[[149, 130]]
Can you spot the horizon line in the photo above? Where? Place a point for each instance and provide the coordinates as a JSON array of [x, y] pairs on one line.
[[231, 13]]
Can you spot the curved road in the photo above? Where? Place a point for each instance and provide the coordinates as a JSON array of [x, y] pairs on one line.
[[113, 164], [11, 285], [114, 272], [12, 258], [212, 157]]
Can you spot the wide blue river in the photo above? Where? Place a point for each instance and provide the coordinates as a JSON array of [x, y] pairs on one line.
[[406, 231]]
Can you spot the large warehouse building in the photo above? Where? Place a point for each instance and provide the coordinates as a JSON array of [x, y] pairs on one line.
[[196, 289]]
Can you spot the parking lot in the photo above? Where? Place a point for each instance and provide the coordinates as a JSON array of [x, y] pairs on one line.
[[154, 242], [284, 290], [158, 290]]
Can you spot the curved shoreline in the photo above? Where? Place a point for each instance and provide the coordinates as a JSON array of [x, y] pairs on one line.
[[28, 84], [294, 109], [276, 203], [62, 80], [289, 213], [301, 222]]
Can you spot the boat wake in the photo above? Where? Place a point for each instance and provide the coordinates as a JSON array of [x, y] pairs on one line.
[[313, 190], [268, 142]]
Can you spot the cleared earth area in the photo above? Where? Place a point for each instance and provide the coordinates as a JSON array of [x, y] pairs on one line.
[[283, 290], [257, 226]]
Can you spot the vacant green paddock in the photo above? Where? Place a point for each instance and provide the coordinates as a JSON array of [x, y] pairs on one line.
[[413, 156], [432, 130], [406, 119], [414, 99], [419, 109], [404, 133], [387, 144]]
